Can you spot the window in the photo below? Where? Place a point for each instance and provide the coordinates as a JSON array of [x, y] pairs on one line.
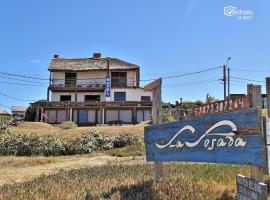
[[119, 79], [70, 79], [145, 98], [119, 96], [65, 98], [92, 98]]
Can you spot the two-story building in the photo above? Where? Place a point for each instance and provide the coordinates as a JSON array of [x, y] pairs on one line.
[[91, 91]]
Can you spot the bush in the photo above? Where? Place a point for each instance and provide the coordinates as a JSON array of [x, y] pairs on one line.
[[124, 140], [68, 125], [33, 145], [88, 143]]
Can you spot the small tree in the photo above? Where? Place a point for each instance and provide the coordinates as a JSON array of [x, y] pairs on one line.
[[210, 99], [31, 111]]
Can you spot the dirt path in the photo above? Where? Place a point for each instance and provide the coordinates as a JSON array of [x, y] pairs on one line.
[[17, 169]]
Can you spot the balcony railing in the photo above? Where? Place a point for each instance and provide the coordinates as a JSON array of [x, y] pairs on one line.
[[95, 83]]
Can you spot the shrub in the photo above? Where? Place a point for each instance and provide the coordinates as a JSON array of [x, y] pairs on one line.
[[33, 145], [125, 140], [89, 142], [68, 125]]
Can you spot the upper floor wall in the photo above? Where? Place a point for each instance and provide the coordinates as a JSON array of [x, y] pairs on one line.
[[89, 74]]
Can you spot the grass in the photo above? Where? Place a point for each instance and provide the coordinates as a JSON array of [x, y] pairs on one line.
[[40, 128], [181, 181], [15, 168], [128, 151]]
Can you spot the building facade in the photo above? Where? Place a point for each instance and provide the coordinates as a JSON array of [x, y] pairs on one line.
[[91, 91]]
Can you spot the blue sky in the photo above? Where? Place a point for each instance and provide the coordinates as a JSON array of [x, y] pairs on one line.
[[163, 37]]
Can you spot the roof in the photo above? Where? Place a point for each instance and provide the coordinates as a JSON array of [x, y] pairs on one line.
[[87, 64], [3, 112], [18, 109]]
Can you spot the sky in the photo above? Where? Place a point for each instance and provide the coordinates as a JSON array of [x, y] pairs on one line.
[[164, 38]]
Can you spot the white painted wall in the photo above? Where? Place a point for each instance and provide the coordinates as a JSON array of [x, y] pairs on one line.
[[55, 96], [132, 94], [97, 76]]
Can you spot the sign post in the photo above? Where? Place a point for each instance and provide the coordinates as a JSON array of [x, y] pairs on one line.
[[155, 87], [254, 92]]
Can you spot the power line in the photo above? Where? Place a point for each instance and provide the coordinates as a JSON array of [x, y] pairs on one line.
[[18, 99], [192, 83], [4, 106], [16, 79], [186, 74], [23, 76], [22, 84], [246, 79], [251, 70]]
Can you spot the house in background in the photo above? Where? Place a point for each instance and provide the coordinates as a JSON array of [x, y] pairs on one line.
[[91, 91], [18, 112], [4, 116]]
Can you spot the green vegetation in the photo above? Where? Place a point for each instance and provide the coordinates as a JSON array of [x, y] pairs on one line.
[[68, 125], [137, 149], [5, 118], [49, 145], [181, 181]]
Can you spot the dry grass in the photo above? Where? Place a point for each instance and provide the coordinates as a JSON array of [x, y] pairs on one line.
[[17, 169], [41, 128], [182, 181]]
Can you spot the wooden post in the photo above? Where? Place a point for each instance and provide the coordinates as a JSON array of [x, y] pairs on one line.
[[42, 115], [37, 113], [254, 92], [268, 95], [134, 115], [155, 87]]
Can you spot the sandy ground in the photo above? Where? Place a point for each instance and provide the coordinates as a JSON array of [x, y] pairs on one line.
[[17, 169]]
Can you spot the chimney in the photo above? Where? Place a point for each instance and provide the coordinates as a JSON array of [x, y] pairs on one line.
[[55, 56], [96, 56]]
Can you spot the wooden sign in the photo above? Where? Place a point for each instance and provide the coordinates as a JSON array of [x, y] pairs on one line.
[[232, 104], [250, 189], [233, 137]]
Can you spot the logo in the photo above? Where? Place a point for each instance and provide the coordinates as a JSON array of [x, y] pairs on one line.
[[240, 14], [229, 10], [227, 139]]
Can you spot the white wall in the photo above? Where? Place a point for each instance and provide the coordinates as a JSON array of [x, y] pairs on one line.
[[132, 94], [55, 96], [98, 75]]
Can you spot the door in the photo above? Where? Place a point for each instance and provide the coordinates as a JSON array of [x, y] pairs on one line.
[[83, 116]]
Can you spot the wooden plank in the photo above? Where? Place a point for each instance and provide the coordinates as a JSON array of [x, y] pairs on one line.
[[228, 105], [250, 189], [153, 85], [254, 92], [268, 95], [210, 138]]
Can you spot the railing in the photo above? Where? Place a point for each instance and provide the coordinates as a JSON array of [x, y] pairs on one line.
[[92, 83], [86, 83]]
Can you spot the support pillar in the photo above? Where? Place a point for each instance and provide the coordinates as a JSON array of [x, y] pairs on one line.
[[37, 113]]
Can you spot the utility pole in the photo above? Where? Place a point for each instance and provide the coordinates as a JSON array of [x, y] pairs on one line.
[[229, 93], [224, 81], [225, 67]]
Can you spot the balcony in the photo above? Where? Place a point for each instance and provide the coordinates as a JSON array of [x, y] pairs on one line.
[[69, 85]]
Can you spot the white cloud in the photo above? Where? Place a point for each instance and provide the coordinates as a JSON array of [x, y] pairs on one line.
[[34, 61]]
